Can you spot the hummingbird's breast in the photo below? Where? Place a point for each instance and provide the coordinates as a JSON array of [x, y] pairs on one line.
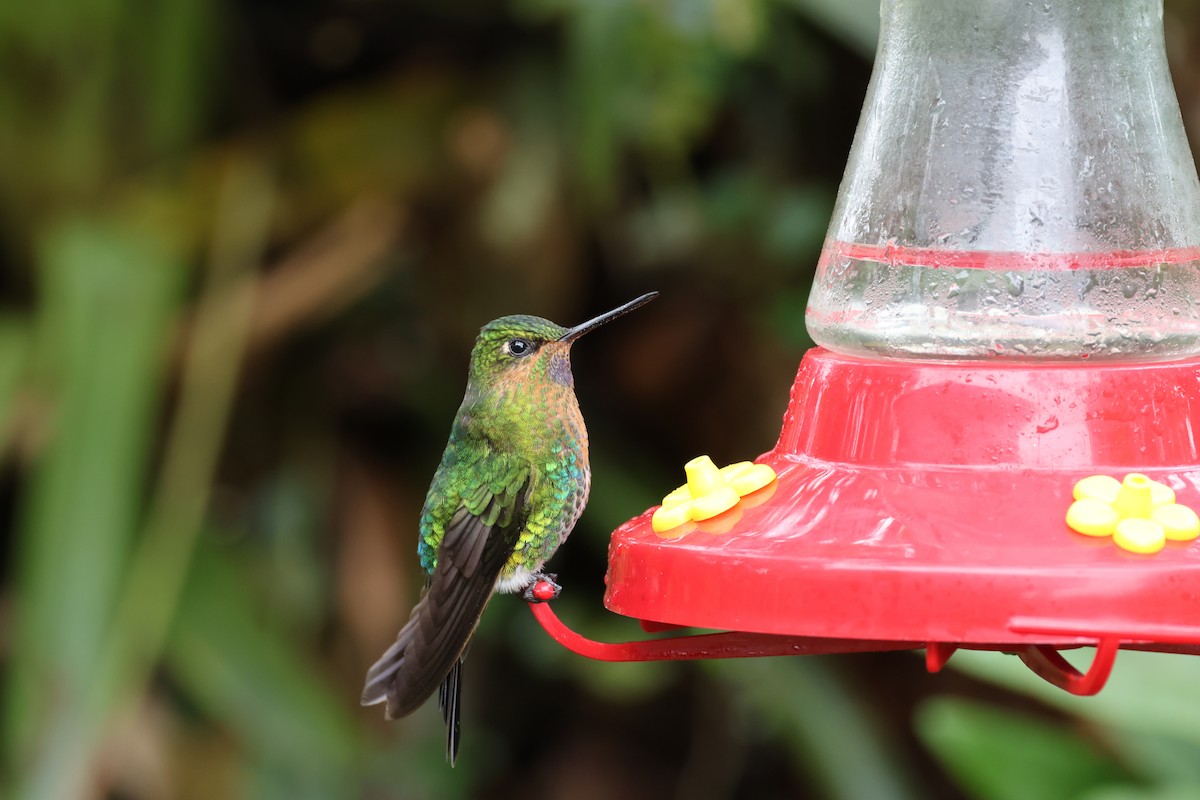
[[559, 484]]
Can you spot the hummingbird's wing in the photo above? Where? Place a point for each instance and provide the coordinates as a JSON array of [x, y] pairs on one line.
[[470, 557]]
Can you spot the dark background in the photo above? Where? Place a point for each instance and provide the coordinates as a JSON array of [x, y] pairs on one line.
[[246, 247]]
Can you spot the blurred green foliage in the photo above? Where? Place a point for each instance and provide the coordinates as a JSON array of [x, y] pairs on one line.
[[246, 247]]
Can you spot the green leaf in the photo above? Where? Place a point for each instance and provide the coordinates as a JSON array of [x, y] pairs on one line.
[[257, 682], [107, 299], [1182, 791], [998, 755], [1143, 694], [855, 22], [827, 727]]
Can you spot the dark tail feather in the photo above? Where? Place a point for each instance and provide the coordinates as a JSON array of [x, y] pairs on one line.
[[432, 642], [448, 702], [380, 674], [424, 654], [430, 647]]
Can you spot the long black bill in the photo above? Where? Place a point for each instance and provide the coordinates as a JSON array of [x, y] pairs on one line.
[[579, 330]]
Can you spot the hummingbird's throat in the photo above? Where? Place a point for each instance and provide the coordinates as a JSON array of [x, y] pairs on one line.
[[559, 369]]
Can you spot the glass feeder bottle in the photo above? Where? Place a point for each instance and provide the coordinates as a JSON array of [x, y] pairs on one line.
[[1020, 185]]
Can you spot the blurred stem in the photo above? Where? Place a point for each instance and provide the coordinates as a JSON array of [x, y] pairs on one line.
[[218, 335], [159, 566], [14, 347], [594, 136]]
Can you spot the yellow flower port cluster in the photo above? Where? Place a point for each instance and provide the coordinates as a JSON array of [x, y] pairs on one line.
[[1140, 514], [709, 491]]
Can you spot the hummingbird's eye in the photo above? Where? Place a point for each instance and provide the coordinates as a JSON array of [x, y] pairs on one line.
[[518, 347]]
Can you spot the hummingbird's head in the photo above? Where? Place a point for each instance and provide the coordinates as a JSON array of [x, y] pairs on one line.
[[521, 349], [518, 349]]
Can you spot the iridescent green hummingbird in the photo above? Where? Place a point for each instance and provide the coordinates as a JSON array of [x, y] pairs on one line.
[[511, 484]]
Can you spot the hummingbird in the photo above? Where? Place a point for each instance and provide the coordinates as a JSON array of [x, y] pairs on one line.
[[511, 485]]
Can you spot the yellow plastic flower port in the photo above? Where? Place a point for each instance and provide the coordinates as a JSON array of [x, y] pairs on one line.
[[709, 491], [1139, 513]]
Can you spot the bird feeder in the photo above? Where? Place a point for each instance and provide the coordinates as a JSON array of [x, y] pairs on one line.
[[1007, 309]]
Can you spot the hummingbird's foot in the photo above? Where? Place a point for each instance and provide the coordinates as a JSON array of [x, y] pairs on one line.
[[541, 588]]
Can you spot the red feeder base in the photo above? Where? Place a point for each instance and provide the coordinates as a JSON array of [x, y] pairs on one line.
[[922, 504]]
